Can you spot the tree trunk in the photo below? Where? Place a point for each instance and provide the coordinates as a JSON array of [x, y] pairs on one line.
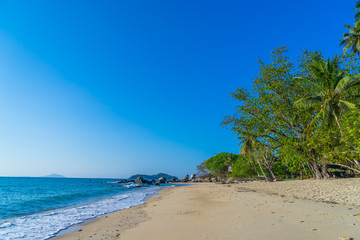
[[342, 165], [269, 166], [316, 170], [266, 178], [357, 164], [273, 177], [324, 169], [337, 122]]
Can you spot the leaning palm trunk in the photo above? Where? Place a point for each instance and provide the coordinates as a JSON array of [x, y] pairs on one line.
[[346, 166], [337, 122], [269, 166], [269, 160], [262, 171]]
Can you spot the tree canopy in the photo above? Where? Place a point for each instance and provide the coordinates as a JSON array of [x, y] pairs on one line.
[[293, 109], [300, 116]]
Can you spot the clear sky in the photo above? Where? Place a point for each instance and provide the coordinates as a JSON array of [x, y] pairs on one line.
[[114, 88]]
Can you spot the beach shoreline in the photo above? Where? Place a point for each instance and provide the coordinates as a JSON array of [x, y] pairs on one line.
[[227, 211], [133, 216]]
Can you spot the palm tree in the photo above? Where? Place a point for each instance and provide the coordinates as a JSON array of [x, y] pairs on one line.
[[357, 7], [351, 40], [247, 145], [334, 93]]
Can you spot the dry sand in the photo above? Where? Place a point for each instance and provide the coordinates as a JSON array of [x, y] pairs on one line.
[[237, 211]]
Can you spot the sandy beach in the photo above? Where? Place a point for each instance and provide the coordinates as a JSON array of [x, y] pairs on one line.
[[307, 209]]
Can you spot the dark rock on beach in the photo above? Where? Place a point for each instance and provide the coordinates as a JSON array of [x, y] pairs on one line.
[[140, 180], [172, 180], [162, 180], [186, 178]]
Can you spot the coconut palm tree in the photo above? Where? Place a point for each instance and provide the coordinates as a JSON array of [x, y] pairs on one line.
[[247, 145], [351, 39], [334, 93], [357, 15]]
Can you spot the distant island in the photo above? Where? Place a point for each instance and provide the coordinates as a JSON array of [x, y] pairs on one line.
[[54, 176], [155, 177]]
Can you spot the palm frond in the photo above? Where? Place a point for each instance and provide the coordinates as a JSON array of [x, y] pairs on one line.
[[313, 121], [354, 100], [347, 83], [357, 7], [346, 106], [318, 88], [349, 27], [309, 102]]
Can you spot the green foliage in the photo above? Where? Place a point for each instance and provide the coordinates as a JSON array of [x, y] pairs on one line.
[[333, 93], [266, 115], [351, 39], [243, 168], [219, 164], [347, 151], [351, 125], [290, 122], [201, 169]]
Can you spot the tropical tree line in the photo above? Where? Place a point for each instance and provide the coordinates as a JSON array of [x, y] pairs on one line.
[[299, 118]]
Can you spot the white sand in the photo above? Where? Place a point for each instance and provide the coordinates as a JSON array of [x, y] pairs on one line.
[[214, 211]]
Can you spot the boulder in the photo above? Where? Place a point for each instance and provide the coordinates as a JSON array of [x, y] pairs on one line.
[[162, 180], [172, 180], [140, 180], [122, 181], [186, 178], [193, 177], [230, 181]]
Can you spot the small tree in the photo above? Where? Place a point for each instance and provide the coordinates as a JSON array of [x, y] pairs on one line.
[[201, 169], [219, 164]]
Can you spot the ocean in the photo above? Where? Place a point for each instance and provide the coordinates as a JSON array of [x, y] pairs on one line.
[[39, 208]]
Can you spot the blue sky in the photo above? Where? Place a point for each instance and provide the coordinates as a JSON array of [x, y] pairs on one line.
[[114, 88]]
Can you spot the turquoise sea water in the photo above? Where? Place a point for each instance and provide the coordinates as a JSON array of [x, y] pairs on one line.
[[38, 208]]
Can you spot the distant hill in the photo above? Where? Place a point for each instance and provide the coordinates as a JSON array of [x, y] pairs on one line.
[[155, 177], [54, 176]]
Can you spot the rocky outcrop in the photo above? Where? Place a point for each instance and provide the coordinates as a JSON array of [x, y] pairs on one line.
[[222, 180], [192, 178], [186, 178], [140, 180], [161, 180], [153, 177]]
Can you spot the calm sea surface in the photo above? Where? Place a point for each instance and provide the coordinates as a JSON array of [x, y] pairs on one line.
[[38, 208]]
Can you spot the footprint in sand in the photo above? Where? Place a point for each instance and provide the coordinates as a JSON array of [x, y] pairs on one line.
[[188, 212]]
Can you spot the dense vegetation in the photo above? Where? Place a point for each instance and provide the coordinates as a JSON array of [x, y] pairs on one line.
[[299, 118]]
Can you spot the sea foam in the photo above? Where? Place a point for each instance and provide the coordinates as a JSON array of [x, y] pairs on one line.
[[47, 224]]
